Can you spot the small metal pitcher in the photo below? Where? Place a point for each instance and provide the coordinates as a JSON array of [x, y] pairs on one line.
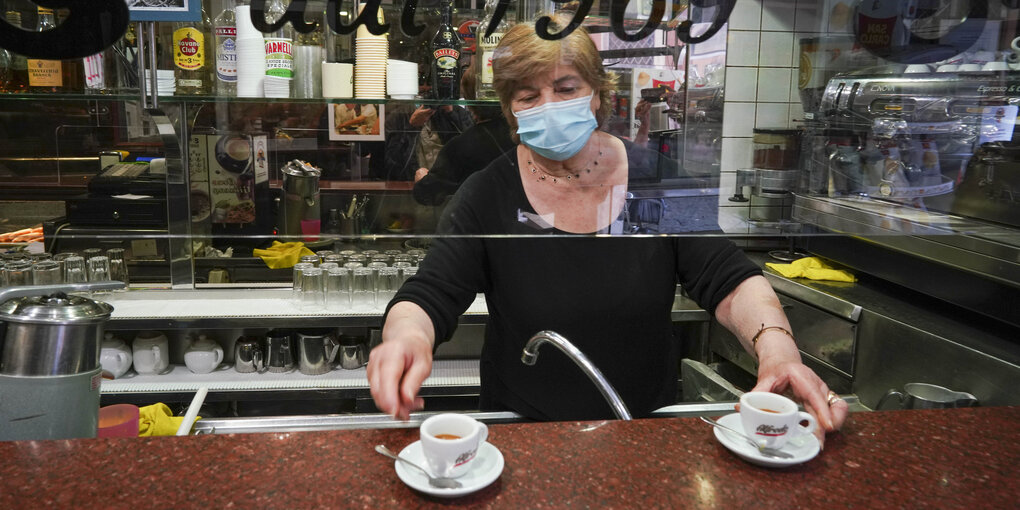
[[928, 396], [316, 352], [353, 352], [248, 356], [279, 355]]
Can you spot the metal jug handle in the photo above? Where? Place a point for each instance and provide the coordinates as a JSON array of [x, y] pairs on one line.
[[260, 364], [331, 353], [899, 398]]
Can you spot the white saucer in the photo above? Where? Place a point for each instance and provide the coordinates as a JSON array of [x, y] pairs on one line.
[[488, 465], [803, 448]]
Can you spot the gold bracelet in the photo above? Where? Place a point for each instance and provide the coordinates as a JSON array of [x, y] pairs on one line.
[[754, 340]]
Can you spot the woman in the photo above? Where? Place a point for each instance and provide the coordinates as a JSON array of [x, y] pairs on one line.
[[610, 296]]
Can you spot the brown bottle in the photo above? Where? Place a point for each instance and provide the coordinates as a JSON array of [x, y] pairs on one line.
[[45, 75], [16, 79]]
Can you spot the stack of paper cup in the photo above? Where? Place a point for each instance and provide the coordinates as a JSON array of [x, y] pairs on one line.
[[251, 55], [370, 54], [337, 80], [401, 79]]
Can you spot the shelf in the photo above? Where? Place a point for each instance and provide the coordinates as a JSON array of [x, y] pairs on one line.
[[445, 373], [238, 308], [271, 308], [243, 100]]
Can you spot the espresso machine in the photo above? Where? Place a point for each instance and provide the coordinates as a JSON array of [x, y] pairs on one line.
[[910, 139]]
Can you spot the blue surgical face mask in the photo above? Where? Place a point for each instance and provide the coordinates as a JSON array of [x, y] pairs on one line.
[[557, 130]]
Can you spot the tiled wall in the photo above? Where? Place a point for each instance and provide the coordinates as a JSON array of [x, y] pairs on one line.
[[761, 77]]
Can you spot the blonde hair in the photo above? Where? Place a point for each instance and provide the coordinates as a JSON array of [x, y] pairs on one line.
[[522, 54]]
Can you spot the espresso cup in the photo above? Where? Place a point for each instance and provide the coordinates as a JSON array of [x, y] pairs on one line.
[[772, 419], [450, 442]]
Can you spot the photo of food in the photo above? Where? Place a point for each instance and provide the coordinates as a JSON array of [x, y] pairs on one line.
[[356, 122]]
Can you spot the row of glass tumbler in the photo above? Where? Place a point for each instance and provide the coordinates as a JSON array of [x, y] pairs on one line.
[[352, 281], [42, 269]]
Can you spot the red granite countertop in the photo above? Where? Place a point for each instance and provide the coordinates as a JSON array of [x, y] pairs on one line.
[[960, 458]]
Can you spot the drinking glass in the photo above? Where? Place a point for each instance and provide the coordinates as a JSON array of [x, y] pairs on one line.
[[403, 257], [323, 254], [99, 268], [334, 258], [312, 295], [381, 257], [417, 254], [91, 252], [46, 272], [375, 267], [368, 253], [118, 266], [74, 270], [310, 259], [298, 268], [358, 257], [353, 265], [326, 266], [407, 273], [401, 266], [18, 273], [362, 290], [347, 254], [386, 285], [338, 289]]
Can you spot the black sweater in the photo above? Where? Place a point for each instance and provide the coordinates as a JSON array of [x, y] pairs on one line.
[[610, 296]]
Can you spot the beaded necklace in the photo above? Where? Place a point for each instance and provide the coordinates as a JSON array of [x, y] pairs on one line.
[[542, 174]]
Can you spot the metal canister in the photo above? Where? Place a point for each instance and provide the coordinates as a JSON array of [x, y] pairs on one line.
[[300, 196], [49, 363]]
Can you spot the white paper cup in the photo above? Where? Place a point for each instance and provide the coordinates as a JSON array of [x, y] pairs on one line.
[[772, 419], [251, 66], [451, 457], [337, 80]]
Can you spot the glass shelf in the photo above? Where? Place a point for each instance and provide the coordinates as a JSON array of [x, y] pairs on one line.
[[221, 99]]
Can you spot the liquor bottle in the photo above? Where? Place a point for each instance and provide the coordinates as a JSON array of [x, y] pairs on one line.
[[445, 53], [279, 52], [17, 69], [486, 48], [193, 62], [45, 75], [226, 53]]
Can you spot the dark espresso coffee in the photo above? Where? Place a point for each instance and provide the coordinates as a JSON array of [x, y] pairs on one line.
[[447, 436]]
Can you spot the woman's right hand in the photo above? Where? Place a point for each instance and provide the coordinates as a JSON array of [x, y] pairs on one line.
[[398, 366]]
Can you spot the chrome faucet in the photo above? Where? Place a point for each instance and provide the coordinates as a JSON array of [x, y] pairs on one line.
[[530, 356]]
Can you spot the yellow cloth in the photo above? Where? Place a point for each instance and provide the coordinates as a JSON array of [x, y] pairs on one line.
[[158, 420], [812, 268], [282, 255]]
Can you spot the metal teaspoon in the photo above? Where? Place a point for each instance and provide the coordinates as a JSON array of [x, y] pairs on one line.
[[766, 451], [441, 483]]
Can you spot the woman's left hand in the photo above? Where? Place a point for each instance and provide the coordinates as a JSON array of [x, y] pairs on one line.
[[793, 377]]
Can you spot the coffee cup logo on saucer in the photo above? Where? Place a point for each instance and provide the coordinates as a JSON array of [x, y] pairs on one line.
[[450, 442], [772, 419]]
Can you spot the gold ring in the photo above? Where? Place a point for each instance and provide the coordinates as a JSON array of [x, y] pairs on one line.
[[833, 398]]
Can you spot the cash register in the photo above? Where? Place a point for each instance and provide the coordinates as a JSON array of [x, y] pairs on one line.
[[124, 207]]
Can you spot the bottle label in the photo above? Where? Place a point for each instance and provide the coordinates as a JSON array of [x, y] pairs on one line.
[[226, 54], [94, 76], [189, 43], [279, 57], [446, 58], [44, 73]]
